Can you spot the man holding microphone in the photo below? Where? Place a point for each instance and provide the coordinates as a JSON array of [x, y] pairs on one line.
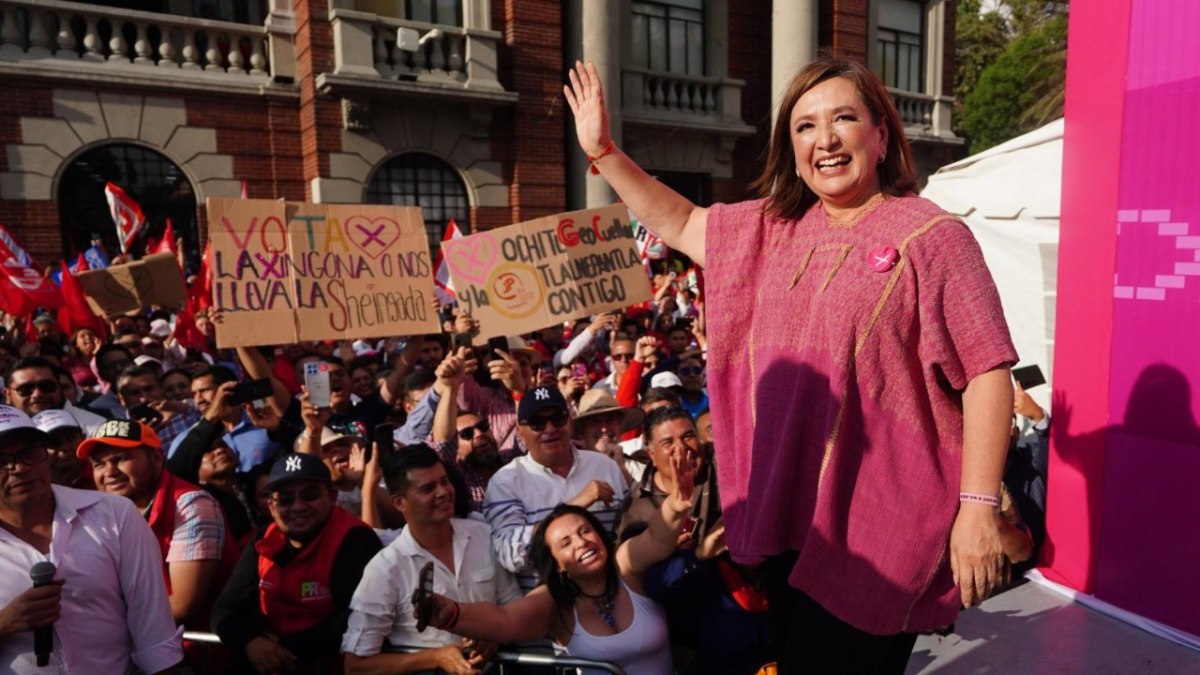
[[104, 607]]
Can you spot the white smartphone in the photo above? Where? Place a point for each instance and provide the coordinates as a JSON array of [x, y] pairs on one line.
[[316, 380]]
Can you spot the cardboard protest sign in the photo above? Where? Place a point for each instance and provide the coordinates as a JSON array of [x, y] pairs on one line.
[[534, 274], [290, 271], [119, 289]]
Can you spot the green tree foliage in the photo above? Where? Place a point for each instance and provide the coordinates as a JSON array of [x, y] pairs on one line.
[[1010, 68]]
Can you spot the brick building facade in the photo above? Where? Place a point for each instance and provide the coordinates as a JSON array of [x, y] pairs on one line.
[[456, 105]]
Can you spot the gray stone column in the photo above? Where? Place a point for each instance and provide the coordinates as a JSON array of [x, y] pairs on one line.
[[601, 38], [793, 44]]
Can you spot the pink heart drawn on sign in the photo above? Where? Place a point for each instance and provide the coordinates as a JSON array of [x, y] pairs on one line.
[[373, 236], [472, 257]]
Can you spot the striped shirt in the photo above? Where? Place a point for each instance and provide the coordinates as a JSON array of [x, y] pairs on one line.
[[523, 492]]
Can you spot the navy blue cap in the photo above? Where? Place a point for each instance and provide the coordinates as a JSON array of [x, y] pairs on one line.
[[539, 398], [297, 466]]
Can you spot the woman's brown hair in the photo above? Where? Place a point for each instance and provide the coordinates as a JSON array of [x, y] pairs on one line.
[[786, 194]]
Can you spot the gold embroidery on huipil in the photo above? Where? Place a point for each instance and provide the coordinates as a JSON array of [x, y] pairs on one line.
[[803, 266], [887, 293], [837, 265]]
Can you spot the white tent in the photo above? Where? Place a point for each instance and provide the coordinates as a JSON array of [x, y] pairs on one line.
[[1009, 196]]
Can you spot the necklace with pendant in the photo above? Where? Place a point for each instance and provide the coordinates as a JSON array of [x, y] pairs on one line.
[[604, 604], [604, 607]]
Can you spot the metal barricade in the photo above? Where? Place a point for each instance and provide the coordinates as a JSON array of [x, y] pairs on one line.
[[508, 662]]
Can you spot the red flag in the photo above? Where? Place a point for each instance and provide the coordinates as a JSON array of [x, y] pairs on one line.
[[23, 289], [443, 285], [76, 313], [166, 244], [244, 190], [187, 333], [81, 264], [126, 214], [200, 290]]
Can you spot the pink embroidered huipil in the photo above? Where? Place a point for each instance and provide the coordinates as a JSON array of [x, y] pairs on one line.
[[836, 382]]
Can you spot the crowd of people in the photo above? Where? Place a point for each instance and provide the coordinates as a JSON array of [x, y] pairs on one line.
[[568, 494]]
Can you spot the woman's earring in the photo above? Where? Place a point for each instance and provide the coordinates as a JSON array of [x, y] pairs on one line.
[[797, 172]]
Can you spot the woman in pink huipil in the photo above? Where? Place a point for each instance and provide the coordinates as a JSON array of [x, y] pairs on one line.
[[858, 373]]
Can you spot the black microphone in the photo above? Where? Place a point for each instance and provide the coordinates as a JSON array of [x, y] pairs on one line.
[[42, 574]]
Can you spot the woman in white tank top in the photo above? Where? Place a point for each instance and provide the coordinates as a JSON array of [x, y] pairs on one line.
[[591, 598]]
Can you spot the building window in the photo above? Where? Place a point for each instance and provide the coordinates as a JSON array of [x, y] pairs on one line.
[[668, 36], [416, 179], [901, 44], [445, 12], [156, 183]]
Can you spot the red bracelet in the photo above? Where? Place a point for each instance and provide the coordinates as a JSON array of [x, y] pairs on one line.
[[973, 498], [449, 625], [603, 153]]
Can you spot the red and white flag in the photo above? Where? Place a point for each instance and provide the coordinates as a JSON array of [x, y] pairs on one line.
[[443, 285], [245, 193], [126, 213], [23, 289]]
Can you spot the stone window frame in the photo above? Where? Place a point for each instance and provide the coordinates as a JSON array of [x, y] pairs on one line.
[[465, 225], [933, 37]]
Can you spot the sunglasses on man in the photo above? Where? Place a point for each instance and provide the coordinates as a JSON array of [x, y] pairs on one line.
[[538, 424], [25, 389], [468, 433], [29, 455]]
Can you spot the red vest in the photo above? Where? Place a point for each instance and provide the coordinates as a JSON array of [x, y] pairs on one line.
[[297, 595], [162, 523]]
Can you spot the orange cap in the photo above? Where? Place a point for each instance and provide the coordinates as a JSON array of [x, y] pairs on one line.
[[119, 434]]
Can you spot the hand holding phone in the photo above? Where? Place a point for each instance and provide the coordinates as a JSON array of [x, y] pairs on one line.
[[316, 381], [384, 437]]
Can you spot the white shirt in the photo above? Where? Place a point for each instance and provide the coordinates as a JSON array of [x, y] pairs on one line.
[[523, 492], [382, 605], [114, 602]]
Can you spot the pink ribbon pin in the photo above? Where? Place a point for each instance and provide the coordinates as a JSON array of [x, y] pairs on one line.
[[883, 258]]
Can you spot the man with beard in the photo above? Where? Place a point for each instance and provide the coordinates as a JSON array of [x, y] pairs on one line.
[[286, 605], [31, 387], [463, 564], [554, 472], [253, 445], [463, 438]]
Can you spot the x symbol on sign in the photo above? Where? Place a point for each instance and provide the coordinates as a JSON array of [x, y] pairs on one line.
[[372, 235]]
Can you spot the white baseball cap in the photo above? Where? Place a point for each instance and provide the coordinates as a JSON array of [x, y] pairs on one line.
[[665, 380], [49, 420], [160, 327], [13, 420]]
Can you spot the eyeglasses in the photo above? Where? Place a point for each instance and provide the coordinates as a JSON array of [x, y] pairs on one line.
[[558, 419], [45, 386], [626, 356], [690, 371], [33, 454], [468, 433], [307, 495]]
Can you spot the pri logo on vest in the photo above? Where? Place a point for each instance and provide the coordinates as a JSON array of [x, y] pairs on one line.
[[313, 590]]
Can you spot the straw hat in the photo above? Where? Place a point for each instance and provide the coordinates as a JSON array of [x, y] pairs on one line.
[[599, 402]]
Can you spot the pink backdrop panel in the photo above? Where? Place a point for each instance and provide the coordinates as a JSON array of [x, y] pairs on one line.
[[1098, 35], [1150, 536]]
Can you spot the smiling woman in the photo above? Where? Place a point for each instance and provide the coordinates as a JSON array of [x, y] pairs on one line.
[[894, 354]]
